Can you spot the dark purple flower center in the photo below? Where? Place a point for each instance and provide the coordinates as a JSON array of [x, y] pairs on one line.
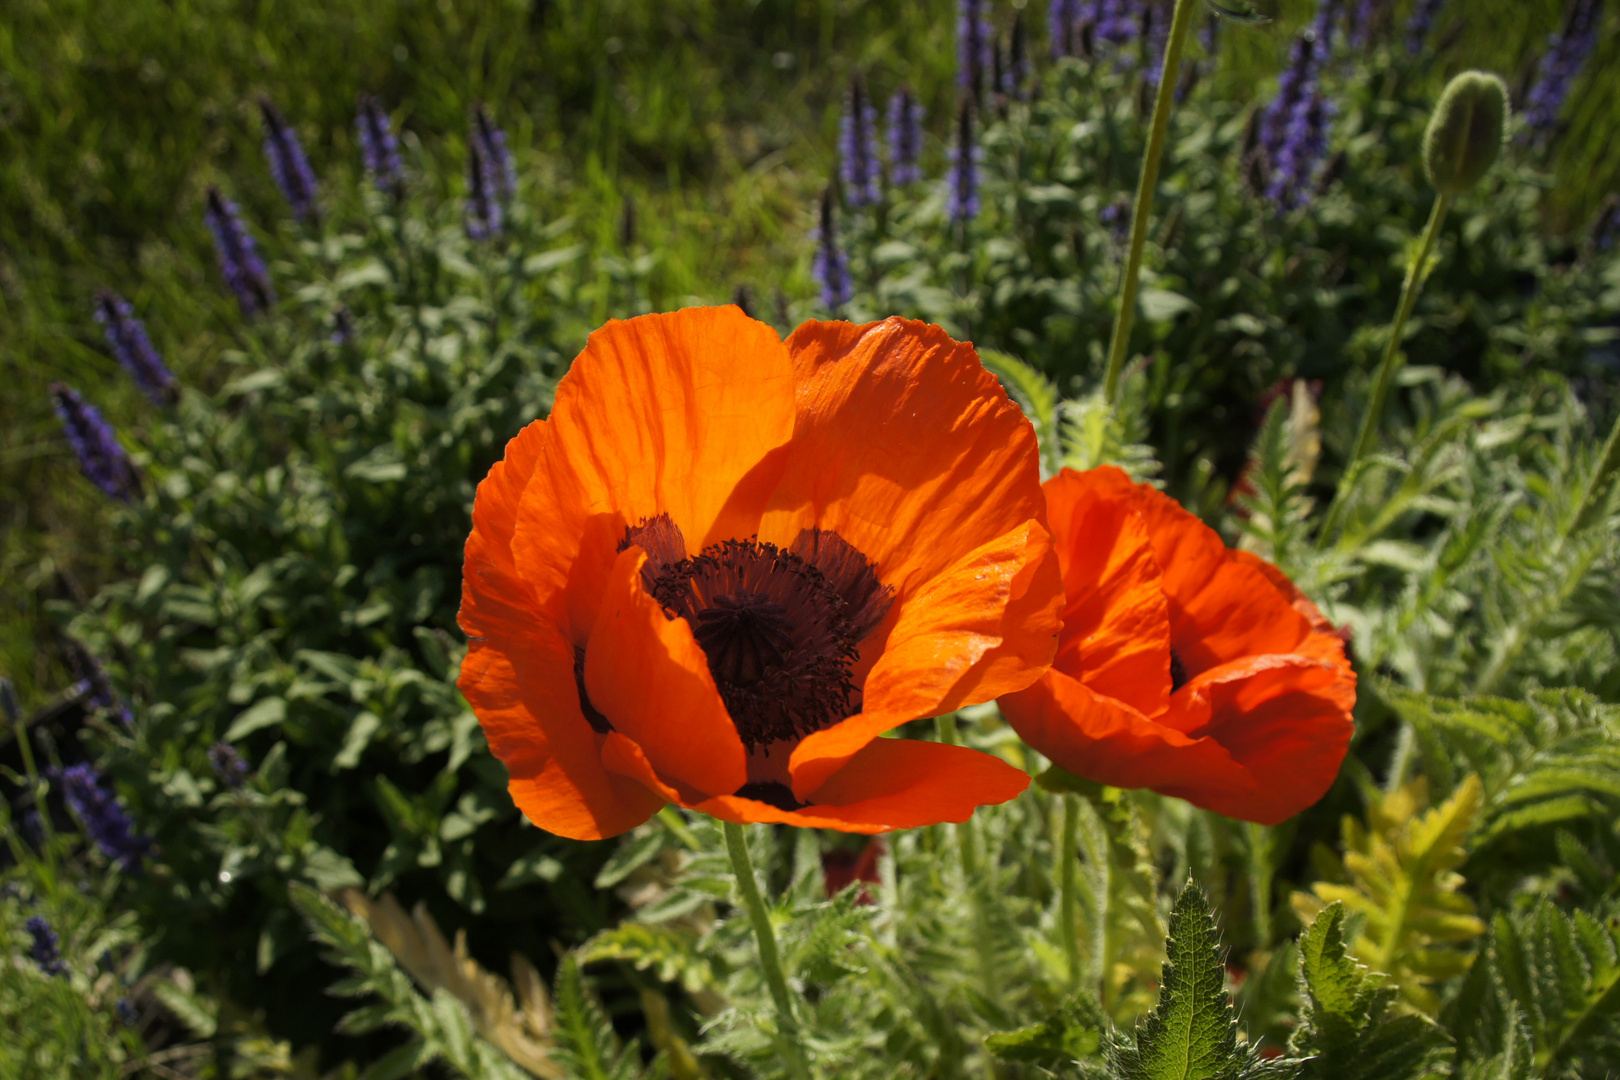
[[781, 628]]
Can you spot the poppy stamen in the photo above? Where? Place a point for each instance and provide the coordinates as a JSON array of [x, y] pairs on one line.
[[780, 628]]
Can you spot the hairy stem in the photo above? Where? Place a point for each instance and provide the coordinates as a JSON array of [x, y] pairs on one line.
[[1069, 902], [787, 1026], [1146, 186], [1387, 366]]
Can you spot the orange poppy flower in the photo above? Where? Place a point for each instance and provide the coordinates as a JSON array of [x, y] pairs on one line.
[[1184, 667], [726, 564]]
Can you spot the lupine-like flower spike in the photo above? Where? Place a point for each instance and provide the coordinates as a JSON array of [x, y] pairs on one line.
[[1303, 150], [1421, 24], [972, 47], [1155, 23], [239, 258], [483, 207], [830, 268], [100, 454], [379, 149], [1329, 13], [962, 201], [499, 153], [227, 764], [1061, 17], [1018, 58], [105, 821], [45, 951], [99, 692], [905, 137], [130, 346], [1566, 54], [1369, 13], [858, 157], [1294, 87], [289, 166]]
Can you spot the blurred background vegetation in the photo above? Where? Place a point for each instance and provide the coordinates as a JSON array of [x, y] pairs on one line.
[[714, 120]]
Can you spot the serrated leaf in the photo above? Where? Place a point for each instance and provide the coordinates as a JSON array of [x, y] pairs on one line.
[[1073, 1032], [668, 953]]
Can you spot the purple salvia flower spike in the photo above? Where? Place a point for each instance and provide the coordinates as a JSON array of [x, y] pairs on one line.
[[239, 258], [1566, 54], [289, 166], [502, 166], [1302, 153], [105, 821], [1421, 23], [972, 47], [99, 692], [45, 951], [1061, 17], [905, 138], [483, 208], [227, 764], [962, 197], [829, 267], [130, 346], [100, 454], [858, 165], [379, 148]]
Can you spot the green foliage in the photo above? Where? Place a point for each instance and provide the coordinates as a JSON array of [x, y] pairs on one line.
[[439, 1028], [1404, 886], [1192, 1033], [586, 1042], [1346, 1031], [1072, 1032]]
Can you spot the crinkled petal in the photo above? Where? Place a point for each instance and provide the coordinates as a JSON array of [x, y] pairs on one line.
[[648, 676], [518, 676], [659, 414]]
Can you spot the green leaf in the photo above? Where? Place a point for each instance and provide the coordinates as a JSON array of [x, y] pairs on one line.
[[1073, 1032], [1192, 1034], [668, 953], [268, 712]]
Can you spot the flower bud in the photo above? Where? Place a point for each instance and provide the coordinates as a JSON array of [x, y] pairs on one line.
[[1465, 133]]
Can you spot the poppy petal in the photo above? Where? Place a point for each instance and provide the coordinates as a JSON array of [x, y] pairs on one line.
[[518, 676], [659, 414], [977, 629], [647, 674], [892, 784], [1116, 623]]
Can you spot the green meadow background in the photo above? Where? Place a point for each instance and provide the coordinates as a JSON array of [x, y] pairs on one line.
[[715, 120]]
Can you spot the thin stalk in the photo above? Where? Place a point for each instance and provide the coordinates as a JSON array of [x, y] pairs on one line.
[[1068, 900], [1594, 500], [1260, 875], [967, 847], [787, 1026], [1415, 273], [1145, 188]]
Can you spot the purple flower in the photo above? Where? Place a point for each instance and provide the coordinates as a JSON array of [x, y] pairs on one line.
[[1294, 86], [857, 148], [1421, 24], [100, 454], [1155, 36], [1061, 16], [972, 47], [493, 139], [130, 346], [1329, 13], [962, 199], [1566, 54], [483, 207], [104, 819], [905, 137], [1116, 218], [829, 266], [1368, 14], [97, 689], [239, 258], [1302, 152], [45, 951], [379, 149], [289, 167], [342, 326], [227, 764]]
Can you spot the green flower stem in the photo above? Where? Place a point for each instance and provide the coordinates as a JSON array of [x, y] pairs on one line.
[[1145, 188], [1260, 877], [967, 847], [1068, 900], [787, 1026], [1416, 271], [1587, 512]]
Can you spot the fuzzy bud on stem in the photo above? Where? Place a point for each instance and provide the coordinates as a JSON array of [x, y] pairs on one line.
[[1465, 133]]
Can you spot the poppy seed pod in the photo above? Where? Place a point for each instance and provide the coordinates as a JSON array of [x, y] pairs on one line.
[[1465, 133]]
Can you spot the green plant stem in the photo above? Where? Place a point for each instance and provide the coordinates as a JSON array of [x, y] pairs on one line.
[[1587, 512], [1260, 876], [787, 1026], [1416, 271], [1068, 900], [1145, 188]]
